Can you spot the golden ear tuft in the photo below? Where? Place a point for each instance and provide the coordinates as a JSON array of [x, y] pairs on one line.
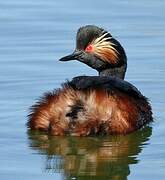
[[105, 49]]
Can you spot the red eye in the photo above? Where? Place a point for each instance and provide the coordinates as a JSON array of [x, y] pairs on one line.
[[89, 48]]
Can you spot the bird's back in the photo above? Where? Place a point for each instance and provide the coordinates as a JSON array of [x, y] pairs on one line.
[[90, 105]]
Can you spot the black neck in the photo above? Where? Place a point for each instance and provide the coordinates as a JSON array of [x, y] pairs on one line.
[[114, 72]]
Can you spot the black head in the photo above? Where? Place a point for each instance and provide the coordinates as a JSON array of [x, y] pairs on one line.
[[99, 50]]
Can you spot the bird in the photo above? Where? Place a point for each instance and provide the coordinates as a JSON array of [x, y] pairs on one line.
[[99, 105]]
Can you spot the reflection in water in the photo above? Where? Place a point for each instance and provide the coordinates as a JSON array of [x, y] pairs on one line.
[[83, 157]]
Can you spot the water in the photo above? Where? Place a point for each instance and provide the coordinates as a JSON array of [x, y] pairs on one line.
[[33, 36]]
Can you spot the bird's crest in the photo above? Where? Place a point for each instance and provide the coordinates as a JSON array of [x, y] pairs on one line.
[[103, 48]]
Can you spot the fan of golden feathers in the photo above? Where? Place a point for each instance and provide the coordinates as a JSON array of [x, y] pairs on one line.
[[103, 48]]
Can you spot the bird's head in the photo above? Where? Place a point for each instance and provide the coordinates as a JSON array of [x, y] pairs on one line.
[[99, 50]]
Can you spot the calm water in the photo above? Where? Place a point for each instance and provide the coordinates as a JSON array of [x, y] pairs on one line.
[[33, 36]]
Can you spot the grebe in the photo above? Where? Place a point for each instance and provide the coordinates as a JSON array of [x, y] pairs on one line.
[[93, 105]]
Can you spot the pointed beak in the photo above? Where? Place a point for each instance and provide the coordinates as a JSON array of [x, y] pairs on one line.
[[75, 55]]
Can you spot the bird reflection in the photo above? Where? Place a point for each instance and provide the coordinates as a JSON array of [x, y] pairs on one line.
[[90, 157]]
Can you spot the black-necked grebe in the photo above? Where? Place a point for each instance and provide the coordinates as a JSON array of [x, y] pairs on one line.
[[93, 105]]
